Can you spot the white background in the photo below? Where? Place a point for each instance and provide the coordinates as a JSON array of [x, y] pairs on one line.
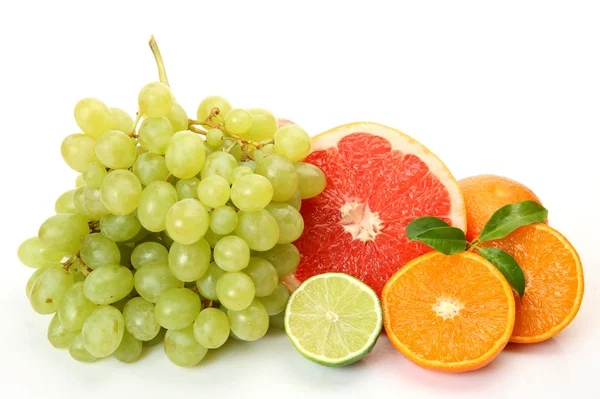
[[511, 88]]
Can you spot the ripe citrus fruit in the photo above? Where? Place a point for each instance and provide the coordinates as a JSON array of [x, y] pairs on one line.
[[448, 313], [553, 281], [485, 194], [378, 181]]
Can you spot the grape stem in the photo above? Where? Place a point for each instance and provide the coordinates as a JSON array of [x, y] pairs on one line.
[[212, 125], [69, 262], [162, 73], [83, 268], [133, 133]]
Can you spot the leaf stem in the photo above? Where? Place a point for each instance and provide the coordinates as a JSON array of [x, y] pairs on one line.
[[162, 73]]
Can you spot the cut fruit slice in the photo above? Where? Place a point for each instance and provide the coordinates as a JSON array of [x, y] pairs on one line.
[[333, 319], [378, 181], [449, 313], [554, 281]]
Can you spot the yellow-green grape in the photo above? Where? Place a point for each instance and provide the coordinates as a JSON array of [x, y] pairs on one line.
[[64, 203], [177, 308], [251, 192], [250, 323], [58, 335], [223, 220], [238, 121], [264, 125], [178, 118], [237, 152], [207, 284], [282, 175], [79, 202], [156, 200], [121, 191], [63, 232], [149, 167], [148, 252], [155, 134], [212, 238], [49, 290], [311, 179], [93, 117], [269, 150], [235, 290], [295, 200], [284, 257], [78, 151], [97, 250], [213, 191], [122, 120], [214, 137], [208, 104], [155, 100], [292, 142], [211, 328], [94, 173], [78, 351], [92, 200], [187, 221], [37, 273], [138, 314], [259, 229], [31, 253], [185, 155], [263, 275], [79, 180], [129, 350], [207, 149], [108, 284], [219, 163], [289, 220], [231, 253], [103, 331], [182, 349], [257, 155], [275, 303], [189, 262], [120, 228], [239, 172], [277, 321], [187, 188], [152, 279], [75, 308], [249, 163], [115, 149]]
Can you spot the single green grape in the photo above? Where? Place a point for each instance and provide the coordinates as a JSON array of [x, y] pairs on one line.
[[277, 321], [78, 351], [207, 284], [214, 137], [31, 253], [249, 164], [276, 302], [94, 173], [58, 335], [138, 314], [120, 228], [123, 122], [79, 202], [79, 180], [98, 250], [213, 191], [148, 252], [75, 308], [37, 273], [187, 188], [49, 289], [284, 257], [64, 203], [264, 125], [182, 349], [156, 200], [185, 155], [129, 350], [238, 121], [250, 323], [208, 104], [153, 279], [239, 172], [311, 180], [155, 134], [259, 229], [108, 284], [178, 118], [263, 275], [232, 254], [121, 191], [295, 200], [235, 290], [116, 150], [155, 100], [269, 150], [282, 175], [292, 142], [211, 328], [251, 193], [177, 308], [187, 221], [237, 152], [63, 232], [223, 220], [78, 151], [219, 163], [149, 167], [258, 155], [92, 200], [289, 220], [103, 331], [189, 262], [93, 117], [207, 149], [212, 238]]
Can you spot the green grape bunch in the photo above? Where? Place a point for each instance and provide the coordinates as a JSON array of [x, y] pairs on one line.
[[177, 230]]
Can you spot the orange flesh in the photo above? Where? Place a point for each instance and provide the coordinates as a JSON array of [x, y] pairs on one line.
[[452, 313], [554, 281]]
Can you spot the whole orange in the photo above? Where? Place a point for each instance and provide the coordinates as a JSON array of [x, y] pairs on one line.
[[485, 194]]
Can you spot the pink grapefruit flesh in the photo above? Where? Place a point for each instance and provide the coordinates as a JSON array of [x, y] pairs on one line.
[[378, 181]]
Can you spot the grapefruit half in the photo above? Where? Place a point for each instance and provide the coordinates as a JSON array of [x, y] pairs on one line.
[[378, 181]]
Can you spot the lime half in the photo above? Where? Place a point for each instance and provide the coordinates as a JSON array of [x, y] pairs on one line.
[[333, 319]]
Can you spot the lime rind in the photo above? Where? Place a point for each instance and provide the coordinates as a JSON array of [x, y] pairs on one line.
[[333, 319]]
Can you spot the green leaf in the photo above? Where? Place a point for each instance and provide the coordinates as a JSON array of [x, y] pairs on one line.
[[423, 224], [510, 217], [447, 240], [507, 265]]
